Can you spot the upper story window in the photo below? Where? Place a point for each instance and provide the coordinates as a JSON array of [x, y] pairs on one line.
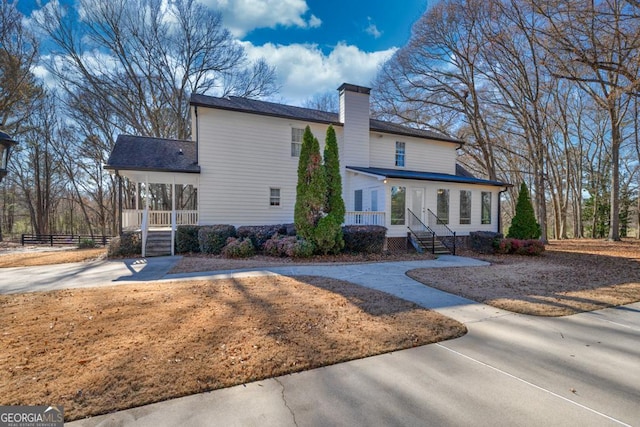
[[400, 154], [296, 141]]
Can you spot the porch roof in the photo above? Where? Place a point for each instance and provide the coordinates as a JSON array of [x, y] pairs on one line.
[[461, 176], [142, 153]]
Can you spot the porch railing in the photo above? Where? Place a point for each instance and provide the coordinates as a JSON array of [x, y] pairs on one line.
[[420, 235], [132, 218], [364, 218]]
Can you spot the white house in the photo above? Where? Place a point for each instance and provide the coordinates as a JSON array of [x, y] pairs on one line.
[[240, 168]]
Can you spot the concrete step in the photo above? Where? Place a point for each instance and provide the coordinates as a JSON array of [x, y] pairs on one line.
[[158, 243]]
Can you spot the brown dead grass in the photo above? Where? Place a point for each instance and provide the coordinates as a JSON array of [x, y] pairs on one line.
[[99, 350], [571, 277], [199, 262], [41, 257]]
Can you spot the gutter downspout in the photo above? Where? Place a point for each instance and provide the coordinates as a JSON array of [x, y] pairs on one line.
[[197, 127]]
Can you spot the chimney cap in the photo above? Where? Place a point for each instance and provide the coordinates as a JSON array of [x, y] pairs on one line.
[[354, 88]]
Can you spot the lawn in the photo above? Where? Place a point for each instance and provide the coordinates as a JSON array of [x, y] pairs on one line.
[[100, 350], [571, 277]]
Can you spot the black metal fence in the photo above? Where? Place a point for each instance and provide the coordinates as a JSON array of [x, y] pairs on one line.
[[62, 239]]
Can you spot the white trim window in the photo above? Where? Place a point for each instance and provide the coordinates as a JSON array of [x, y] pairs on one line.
[[398, 205], [465, 207], [296, 141], [442, 206], [400, 154], [274, 197], [486, 208]]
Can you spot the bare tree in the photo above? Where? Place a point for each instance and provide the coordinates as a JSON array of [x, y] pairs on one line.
[[18, 89], [142, 59], [435, 80], [596, 45]]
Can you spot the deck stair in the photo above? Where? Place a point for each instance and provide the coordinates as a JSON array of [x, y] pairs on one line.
[[425, 241], [158, 243]]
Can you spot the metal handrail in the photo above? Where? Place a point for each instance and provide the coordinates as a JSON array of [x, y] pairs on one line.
[[446, 235], [417, 226]]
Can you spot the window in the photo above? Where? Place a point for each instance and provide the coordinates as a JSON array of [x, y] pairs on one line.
[[374, 200], [296, 141], [357, 200], [443, 206], [486, 207], [465, 207], [398, 209], [274, 197], [400, 154]]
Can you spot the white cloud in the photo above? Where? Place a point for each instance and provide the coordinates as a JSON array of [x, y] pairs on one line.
[[372, 29], [242, 16], [304, 70]]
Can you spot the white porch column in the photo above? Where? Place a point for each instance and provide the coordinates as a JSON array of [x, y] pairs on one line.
[[173, 216], [145, 217]]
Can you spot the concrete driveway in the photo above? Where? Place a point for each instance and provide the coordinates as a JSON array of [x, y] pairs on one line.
[[509, 369]]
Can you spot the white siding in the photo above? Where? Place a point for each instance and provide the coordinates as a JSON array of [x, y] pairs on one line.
[[241, 157], [420, 155], [356, 181]]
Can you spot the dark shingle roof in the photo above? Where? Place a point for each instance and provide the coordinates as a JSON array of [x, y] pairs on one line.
[[465, 178], [153, 154], [264, 108]]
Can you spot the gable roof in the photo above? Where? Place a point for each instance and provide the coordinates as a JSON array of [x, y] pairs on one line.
[[264, 108], [144, 153], [461, 176]]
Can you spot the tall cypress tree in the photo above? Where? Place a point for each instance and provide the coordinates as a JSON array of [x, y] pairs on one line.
[[524, 224], [311, 188], [328, 235]]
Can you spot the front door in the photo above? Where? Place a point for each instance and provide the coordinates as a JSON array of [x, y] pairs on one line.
[[417, 203]]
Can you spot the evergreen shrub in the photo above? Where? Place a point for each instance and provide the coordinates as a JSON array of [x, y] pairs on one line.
[[187, 239], [214, 237], [364, 238], [238, 248], [128, 243]]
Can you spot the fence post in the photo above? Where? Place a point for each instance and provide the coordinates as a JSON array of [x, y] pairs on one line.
[[22, 239], [51, 239]]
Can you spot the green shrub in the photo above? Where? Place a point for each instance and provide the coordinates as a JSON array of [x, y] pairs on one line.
[[531, 247], [187, 239], [327, 235], [364, 238], [127, 244], [87, 244], [291, 246], [259, 234], [238, 248], [213, 238], [524, 224]]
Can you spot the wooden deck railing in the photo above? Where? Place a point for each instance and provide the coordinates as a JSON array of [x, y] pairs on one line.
[[132, 218], [364, 218]]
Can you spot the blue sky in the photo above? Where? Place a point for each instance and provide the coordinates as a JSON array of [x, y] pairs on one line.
[[315, 45]]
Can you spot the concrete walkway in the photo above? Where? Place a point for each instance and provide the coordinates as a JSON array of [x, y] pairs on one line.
[[508, 369]]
